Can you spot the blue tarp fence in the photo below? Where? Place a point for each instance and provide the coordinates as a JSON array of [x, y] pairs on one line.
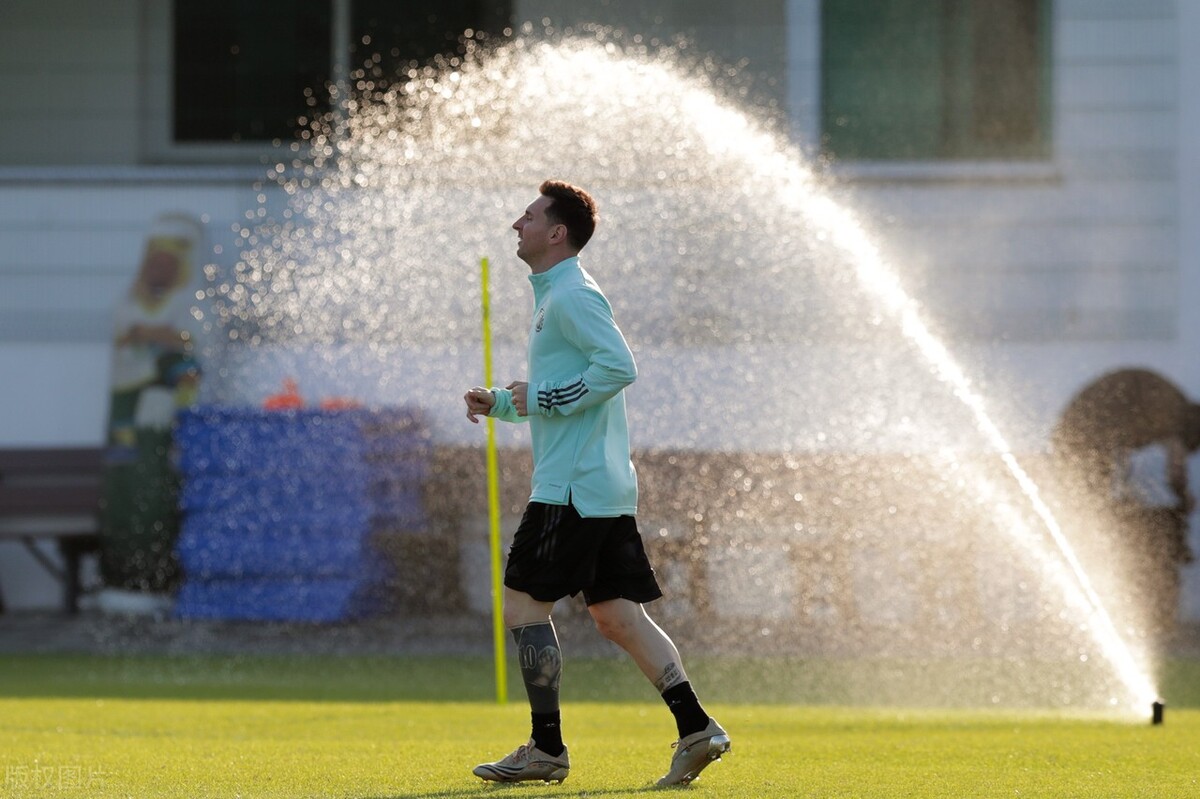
[[287, 514]]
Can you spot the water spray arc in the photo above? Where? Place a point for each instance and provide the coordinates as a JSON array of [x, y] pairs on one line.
[[428, 167], [766, 159], [875, 274]]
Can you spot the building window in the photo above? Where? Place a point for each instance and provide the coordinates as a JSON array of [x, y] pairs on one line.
[[248, 71], [241, 69], [935, 79]]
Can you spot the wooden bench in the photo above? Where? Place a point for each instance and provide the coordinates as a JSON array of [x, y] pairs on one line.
[[52, 494]]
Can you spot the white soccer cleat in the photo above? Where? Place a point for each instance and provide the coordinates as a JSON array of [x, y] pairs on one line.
[[526, 763], [694, 752]]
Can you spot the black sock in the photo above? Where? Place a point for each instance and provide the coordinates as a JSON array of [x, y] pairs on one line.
[[547, 732], [541, 669], [690, 717]]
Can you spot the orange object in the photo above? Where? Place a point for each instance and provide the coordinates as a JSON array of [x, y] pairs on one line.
[[286, 400]]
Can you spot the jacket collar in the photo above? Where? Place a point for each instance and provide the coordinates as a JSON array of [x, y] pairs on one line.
[[564, 267]]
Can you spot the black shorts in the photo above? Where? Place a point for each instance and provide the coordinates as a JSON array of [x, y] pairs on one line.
[[556, 553]]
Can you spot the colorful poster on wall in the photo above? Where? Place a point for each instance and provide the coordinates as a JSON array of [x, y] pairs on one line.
[[155, 371]]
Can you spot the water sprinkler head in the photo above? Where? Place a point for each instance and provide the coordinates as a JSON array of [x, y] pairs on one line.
[[1157, 709]]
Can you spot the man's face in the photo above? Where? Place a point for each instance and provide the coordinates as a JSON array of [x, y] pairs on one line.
[[536, 233]]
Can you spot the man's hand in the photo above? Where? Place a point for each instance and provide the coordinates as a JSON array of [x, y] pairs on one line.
[[520, 396], [479, 403]]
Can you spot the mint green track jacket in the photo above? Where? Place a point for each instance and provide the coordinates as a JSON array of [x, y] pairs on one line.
[[578, 366]]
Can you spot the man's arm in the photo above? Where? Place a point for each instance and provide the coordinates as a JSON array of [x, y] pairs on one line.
[[586, 321]]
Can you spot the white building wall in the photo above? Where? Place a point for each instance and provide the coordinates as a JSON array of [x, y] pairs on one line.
[[69, 249]]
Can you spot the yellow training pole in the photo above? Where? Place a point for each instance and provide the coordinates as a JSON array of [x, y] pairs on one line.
[[493, 490]]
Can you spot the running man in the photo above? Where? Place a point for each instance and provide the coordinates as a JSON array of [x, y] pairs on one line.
[[578, 532]]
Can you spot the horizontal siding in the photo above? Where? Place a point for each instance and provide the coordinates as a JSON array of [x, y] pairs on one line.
[[59, 325], [1108, 130], [1103, 264], [1058, 292], [61, 55], [1131, 87], [1050, 247], [96, 15], [1015, 206], [65, 294], [60, 140], [70, 75], [1018, 325], [53, 35], [1136, 10], [72, 252], [1115, 41], [68, 252], [1133, 164], [1104, 306], [77, 251], [42, 205], [76, 99]]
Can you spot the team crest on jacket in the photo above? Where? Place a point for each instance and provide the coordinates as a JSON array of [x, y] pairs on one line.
[[541, 320]]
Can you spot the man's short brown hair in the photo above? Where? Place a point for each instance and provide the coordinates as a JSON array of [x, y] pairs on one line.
[[573, 207]]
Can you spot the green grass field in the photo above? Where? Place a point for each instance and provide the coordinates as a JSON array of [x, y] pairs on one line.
[[414, 727]]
